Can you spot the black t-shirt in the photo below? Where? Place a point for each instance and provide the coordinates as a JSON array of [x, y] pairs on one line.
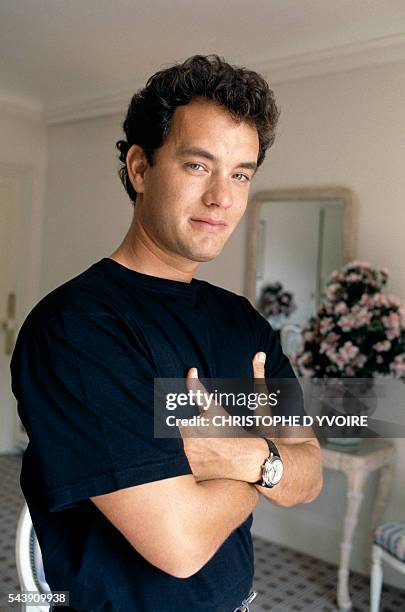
[[82, 372]]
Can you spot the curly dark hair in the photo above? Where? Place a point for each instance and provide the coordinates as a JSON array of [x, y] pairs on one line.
[[245, 94]]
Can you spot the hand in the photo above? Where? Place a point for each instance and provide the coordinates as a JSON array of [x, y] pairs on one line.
[[211, 457]]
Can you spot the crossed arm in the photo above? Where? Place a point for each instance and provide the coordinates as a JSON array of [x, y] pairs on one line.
[[241, 458], [178, 524]]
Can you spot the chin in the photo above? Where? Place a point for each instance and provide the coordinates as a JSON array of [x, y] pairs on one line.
[[202, 256], [205, 251]]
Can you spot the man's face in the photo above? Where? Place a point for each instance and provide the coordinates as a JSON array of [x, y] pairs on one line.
[[197, 190]]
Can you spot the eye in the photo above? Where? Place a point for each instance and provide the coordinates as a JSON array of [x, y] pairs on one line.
[[195, 166], [242, 178]]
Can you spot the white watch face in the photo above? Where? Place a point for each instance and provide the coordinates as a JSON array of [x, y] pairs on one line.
[[273, 471]]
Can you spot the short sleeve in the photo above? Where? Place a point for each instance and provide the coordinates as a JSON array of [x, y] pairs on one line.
[[84, 386]]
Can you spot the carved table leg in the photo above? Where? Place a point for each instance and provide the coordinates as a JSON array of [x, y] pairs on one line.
[[355, 492], [384, 485]]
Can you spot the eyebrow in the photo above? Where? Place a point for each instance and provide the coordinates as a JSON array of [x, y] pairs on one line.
[[207, 155]]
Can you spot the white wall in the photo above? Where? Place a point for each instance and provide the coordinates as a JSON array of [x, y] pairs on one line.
[[348, 130], [87, 211], [345, 129], [23, 156], [23, 142]]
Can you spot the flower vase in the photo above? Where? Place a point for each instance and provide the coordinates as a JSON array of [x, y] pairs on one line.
[[348, 397], [276, 321]]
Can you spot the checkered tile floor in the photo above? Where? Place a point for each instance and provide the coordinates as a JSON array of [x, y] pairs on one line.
[[11, 501], [287, 581]]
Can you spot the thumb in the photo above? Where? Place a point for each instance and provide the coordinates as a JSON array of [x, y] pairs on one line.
[[192, 374], [193, 384], [259, 361]]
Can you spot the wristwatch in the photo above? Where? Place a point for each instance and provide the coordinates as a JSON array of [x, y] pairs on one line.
[[272, 468]]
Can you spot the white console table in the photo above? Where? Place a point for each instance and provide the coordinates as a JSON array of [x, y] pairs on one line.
[[357, 463]]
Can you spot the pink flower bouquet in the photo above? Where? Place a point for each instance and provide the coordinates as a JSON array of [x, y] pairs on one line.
[[358, 331], [275, 301]]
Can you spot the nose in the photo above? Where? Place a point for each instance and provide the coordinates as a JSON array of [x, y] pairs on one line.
[[218, 193]]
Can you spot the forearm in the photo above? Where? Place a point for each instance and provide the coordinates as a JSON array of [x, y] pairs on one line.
[[177, 524], [225, 505], [242, 459], [232, 458], [302, 477], [212, 511]]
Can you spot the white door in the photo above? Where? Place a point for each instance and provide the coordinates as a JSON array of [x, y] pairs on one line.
[[8, 275], [15, 241]]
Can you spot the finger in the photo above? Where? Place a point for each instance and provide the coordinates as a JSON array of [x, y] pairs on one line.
[[259, 362], [206, 403], [191, 382], [200, 399], [192, 373], [200, 393], [259, 375]]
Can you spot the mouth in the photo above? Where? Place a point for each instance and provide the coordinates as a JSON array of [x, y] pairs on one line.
[[209, 225]]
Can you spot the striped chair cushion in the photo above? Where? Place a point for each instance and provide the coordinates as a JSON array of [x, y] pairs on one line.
[[391, 537]]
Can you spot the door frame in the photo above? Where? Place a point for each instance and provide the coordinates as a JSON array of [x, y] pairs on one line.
[[28, 242]]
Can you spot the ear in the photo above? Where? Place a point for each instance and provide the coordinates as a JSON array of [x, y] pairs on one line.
[[136, 165]]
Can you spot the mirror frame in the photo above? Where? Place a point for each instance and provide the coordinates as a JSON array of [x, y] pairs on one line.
[[303, 194]]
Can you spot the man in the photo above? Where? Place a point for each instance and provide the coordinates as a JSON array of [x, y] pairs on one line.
[[128, 522]]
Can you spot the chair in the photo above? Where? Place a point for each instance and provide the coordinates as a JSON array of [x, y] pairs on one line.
[[388, 546], [28, 556]]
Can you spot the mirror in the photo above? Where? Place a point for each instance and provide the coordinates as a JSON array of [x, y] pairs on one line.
[[296, 238]]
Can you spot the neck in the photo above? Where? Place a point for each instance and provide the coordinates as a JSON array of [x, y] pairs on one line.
[[140, 253]]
